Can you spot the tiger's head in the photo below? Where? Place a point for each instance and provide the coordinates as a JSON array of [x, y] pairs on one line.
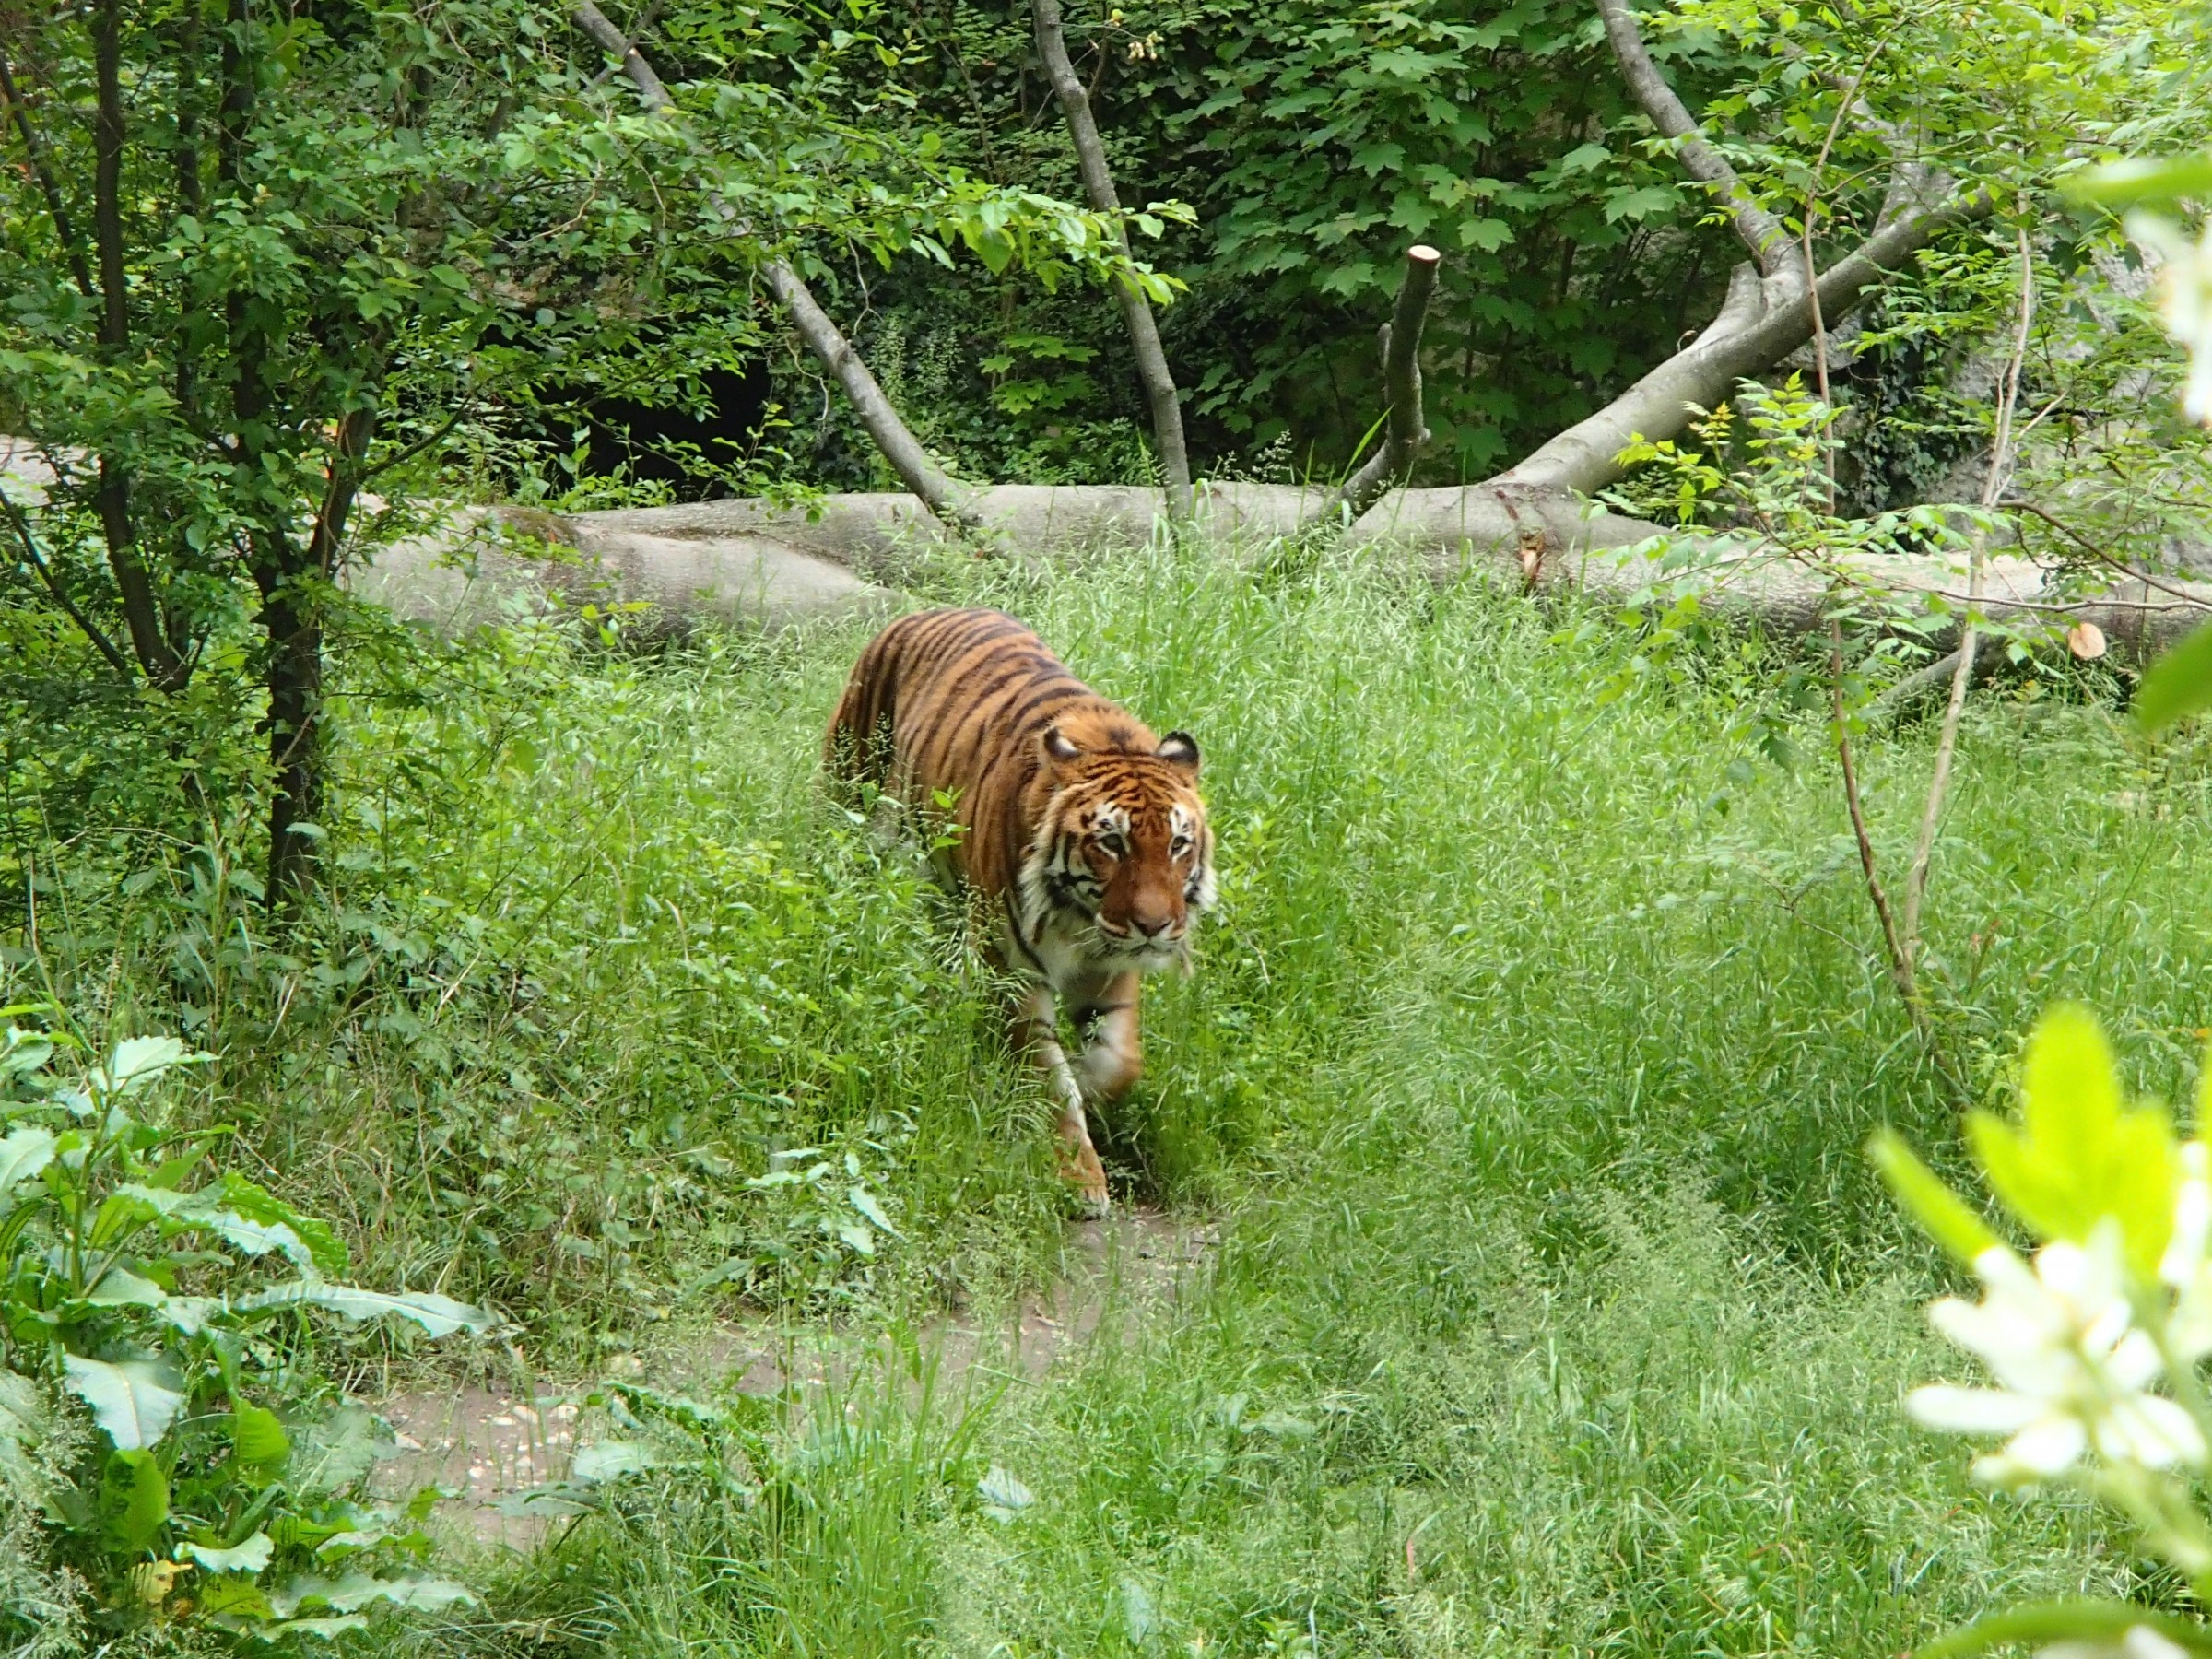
[[1122, 858]]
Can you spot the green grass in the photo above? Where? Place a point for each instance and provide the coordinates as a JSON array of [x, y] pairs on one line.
[[1528, 1065]]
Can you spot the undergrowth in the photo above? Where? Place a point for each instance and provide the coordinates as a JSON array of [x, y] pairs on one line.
[[1529, 1062]]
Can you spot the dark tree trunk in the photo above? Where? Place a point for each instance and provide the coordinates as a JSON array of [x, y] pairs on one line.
[[294, 628], [291, 620], [141, 614]]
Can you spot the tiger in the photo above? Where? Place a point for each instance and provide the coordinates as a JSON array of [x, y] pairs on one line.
[[1078, 835]]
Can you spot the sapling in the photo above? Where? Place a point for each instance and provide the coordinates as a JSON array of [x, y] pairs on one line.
[[2095, 1342]]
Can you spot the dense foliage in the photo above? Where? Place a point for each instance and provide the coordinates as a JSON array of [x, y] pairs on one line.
[[1314, 142], [265, 265]]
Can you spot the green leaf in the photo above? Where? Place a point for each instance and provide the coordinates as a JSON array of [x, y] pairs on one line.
[[1949, 1219], [2178, 685], [134, 1499], [2078, 1155], [1139, 1617], [332, 1454], [249, 1557], [255, 1203], [1488, 234], [357, 1590], [188, 1315], [2145, 183], [1639, 203], [257, 1439], [2099, 1621], [140, 1061], [133, 1400], [23, 1421], [23, 1155], [865, 1202], [604, 1460], [1004, 1497], [233, 1598], [121, 1289], [556, 1500], [439, 1315]]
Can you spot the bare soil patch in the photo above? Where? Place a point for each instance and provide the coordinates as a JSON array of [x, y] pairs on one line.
[[486, 1442]]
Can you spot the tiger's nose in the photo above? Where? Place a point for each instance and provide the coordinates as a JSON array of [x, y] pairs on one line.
[[1154, 927]]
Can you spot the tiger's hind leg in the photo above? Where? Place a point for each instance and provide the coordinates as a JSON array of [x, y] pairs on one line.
[[1037, 1034]]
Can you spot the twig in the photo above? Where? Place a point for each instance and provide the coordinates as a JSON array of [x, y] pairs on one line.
[[1900, 963], [1947, 744], [51, 187], [930, 485], [91, 630], [1760, 230], [2098, 554], [415, 449]]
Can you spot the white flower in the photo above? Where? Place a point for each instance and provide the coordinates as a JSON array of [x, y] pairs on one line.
[[2187, 1264], [2071, 1370], [2140, 1642], [2185, 299]]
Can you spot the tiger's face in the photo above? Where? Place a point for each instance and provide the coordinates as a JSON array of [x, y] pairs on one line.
[[1123, 858]]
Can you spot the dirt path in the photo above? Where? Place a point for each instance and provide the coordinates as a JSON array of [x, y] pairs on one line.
[[486, 1442]]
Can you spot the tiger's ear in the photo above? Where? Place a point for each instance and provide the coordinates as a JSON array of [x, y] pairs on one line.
[[1180, 750], [1057, 746]]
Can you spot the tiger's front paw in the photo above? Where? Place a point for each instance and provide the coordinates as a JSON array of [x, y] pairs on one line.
[[1086, 1177]]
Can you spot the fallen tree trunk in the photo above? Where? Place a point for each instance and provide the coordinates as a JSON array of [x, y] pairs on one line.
[[750, 562]]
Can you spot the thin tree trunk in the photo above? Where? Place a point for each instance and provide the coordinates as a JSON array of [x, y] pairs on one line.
[[1136, 310], [141, 614], [294, 679], [1901, 963], [188, 172], [291, 617], [1406, 428]]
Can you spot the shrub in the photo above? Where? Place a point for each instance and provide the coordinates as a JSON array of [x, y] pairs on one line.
[[220, 1476]]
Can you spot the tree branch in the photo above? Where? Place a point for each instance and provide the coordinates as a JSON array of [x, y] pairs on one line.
[[624, 51], [937, 491], [1136, 310], [1407, 430], [940, 493], [356, 427], [1760, 230], [1900, 960], [85, 625], [35, 153], [1993, 487], [1762, 321]]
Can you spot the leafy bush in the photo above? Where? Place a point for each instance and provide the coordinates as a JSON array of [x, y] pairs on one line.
[[221, 1478]]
